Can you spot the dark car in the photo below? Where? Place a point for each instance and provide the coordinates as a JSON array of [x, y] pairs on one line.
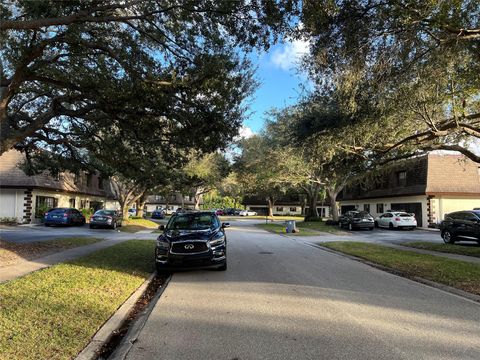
[[192, 240], [220, 212], [357, 220], [63, 216], [461, 225], [158, 214], [106, 218]]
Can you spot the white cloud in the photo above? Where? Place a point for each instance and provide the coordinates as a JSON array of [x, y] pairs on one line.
[[290, 54], [245, 132]]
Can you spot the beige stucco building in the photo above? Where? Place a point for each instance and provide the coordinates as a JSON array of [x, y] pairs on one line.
[[25, 197], [430, 186]]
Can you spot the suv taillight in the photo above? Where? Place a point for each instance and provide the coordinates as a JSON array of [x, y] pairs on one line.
[[398, 219]]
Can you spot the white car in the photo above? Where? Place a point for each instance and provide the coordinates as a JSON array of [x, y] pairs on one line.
[[396, 220], [247, 213]]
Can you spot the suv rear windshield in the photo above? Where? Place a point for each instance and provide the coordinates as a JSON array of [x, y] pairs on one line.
[[105, 212], [58, 210], [401, 214], [191, 222], [362, 215]]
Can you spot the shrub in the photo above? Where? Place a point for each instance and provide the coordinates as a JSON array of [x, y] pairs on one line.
[[8, 220], [331, 222], [313, 219]]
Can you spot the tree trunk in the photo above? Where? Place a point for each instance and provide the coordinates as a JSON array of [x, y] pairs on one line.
[[312, 197], [125, 206], [271, 202], [183, 201], [303, 205], [197, 201], [332, 196]]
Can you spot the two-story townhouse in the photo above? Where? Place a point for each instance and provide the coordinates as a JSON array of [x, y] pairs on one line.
[[26, 197], [171, 202], [430, 186], [291, 204]]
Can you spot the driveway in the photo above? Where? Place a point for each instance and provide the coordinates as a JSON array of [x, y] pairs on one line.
[[283, 299]]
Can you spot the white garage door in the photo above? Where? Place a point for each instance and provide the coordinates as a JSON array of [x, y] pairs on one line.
[[7, 203]]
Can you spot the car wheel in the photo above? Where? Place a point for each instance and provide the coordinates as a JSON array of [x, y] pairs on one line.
[[350, 227], [370, 228], [376, 224], [390, 226], [114, 225], [92, 226], [161, 270], [447, 237], [47, 224]]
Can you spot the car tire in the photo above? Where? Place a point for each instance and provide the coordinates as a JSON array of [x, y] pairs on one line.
[[370, 228], [447, 237], [390, 226], [92, 226], [47, 224], [350, 227], [376, 224], [161, 270]]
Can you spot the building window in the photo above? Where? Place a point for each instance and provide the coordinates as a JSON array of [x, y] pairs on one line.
[[43, 204], [379, 208], [293, 209], [89, 180], [366, 207], [279, 208], [402, 178], [71, 202]]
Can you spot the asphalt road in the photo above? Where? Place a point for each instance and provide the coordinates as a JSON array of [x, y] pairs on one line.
[[283, 299]]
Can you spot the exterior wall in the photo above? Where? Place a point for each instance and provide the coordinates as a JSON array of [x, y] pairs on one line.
[[150, 207], [11, 203], [447, 204], [63, 200], [387, 204], [285, 210]]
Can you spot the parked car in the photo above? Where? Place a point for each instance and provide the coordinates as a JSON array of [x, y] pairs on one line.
[[247, 213], [63, 216], [132, 212], [396, 220], [220, 212], [106, 218], [192, 240], [158, 214], [461, 225], [356, 220], [168, 211]]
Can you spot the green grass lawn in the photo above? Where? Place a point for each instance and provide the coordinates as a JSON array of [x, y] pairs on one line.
[[280, 229], [305, 228], [458, 274], [470, 250], [11, 253], [53, 313], [319, 226], [134, 225]]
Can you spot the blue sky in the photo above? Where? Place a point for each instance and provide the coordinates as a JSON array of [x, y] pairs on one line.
[[279, 80]]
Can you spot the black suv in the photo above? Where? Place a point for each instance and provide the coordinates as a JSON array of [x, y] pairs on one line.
[[192, 240], [356, 220], [461, 224]]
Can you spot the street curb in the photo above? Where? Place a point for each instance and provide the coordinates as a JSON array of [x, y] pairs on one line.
[[104, 334], [133, 332], [446, 288]]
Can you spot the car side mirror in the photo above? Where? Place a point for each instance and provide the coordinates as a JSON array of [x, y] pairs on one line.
[[161, 227], [225, 225]]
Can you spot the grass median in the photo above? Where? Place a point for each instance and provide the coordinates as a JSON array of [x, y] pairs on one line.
[[134, 225], [305, 228], [469, 250], [12, 253], [53, 313], [455, 273]]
